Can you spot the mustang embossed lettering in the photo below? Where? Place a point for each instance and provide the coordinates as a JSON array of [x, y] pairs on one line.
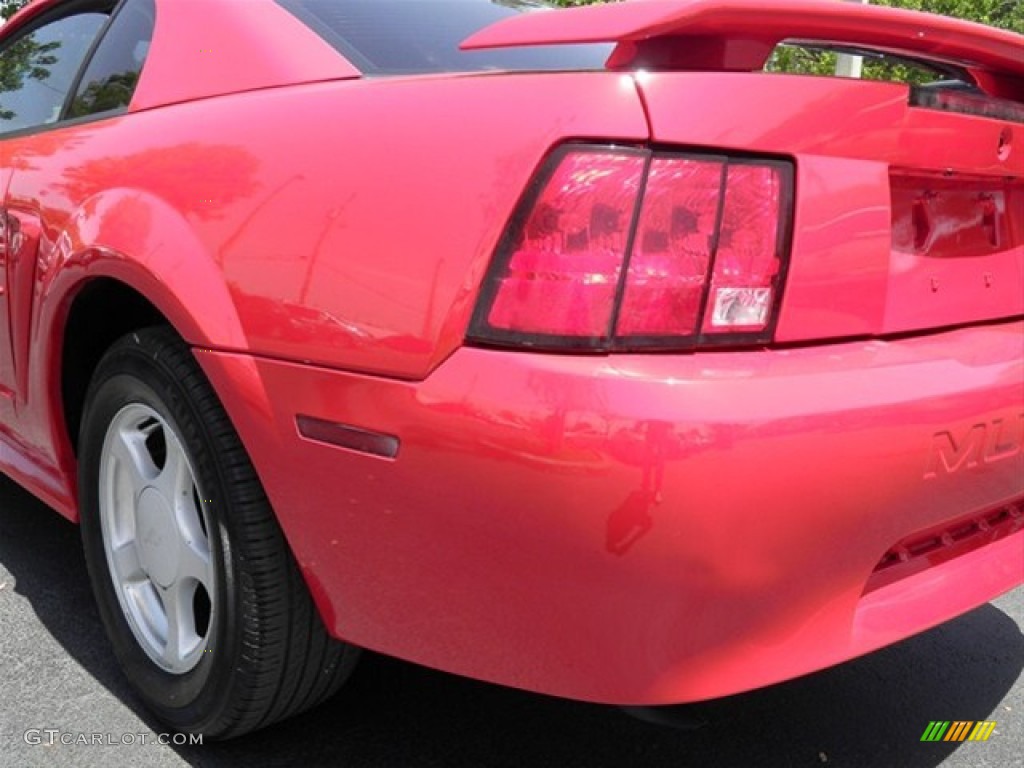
[[982, 444]]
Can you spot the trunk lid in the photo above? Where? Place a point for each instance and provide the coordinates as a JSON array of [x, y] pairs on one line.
[[905, 218], [909, 204]]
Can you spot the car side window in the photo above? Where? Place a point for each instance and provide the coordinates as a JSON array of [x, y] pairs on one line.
[[113, 72], [38, 69]]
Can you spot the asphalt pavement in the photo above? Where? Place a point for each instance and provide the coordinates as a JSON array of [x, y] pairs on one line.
[[63, 701]]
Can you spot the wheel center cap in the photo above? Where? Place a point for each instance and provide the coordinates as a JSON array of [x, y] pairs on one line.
[[156, 534]]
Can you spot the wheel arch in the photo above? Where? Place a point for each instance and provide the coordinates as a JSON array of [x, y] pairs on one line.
[[89, 332], [127, 260]]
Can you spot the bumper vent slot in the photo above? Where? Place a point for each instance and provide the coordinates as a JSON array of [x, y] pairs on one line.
[[925, 550]]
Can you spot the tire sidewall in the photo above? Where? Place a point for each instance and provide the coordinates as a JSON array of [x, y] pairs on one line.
[[122, 380]]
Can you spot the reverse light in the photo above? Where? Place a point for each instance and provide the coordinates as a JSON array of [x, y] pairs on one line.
[[631, 249], [747, 261]]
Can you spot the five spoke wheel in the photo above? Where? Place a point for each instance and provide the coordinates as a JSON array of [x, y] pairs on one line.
[[155, 538], [203, 602]]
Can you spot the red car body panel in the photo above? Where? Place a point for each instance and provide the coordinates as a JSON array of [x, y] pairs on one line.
[[624, 528], [644, 529], [240, 46], [155, 186]]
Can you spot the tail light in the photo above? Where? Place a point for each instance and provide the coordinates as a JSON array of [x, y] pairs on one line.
[[621, 249]]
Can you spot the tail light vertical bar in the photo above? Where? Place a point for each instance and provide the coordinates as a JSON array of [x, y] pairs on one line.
[[708, 283], [638, 208]]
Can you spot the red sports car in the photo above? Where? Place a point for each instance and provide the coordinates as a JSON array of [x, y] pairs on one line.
[[579, 351]]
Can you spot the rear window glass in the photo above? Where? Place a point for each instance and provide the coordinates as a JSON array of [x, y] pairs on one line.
[[392, 37], [110, 79], [803, 58]]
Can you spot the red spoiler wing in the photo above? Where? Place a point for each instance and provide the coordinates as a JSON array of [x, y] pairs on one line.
[[739, 35]]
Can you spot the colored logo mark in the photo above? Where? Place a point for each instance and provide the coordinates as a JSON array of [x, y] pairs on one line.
[[958, 730]]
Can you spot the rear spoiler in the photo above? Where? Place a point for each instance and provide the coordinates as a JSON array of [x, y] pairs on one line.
[[739, 35]]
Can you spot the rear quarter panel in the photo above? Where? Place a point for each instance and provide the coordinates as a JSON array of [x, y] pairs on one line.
[[349, 221], [345, 224]]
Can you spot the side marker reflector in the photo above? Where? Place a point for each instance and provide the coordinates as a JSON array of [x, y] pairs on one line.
[[346, 436]]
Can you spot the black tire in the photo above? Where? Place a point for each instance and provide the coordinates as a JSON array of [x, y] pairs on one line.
[[266, 654]]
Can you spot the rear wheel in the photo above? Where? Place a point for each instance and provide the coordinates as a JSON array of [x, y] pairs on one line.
[[202, 601]]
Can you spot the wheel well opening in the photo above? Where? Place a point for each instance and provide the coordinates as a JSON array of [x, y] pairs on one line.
[[104, 311]]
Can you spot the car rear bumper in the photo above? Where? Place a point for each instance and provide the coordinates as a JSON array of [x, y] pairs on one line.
[[650, 529]]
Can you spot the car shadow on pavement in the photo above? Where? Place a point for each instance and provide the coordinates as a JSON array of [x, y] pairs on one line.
[[870, 712], [42, 552]]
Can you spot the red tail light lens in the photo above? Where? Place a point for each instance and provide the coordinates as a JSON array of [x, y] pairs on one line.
[[628, 249], [562, 270], [672, 252]]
